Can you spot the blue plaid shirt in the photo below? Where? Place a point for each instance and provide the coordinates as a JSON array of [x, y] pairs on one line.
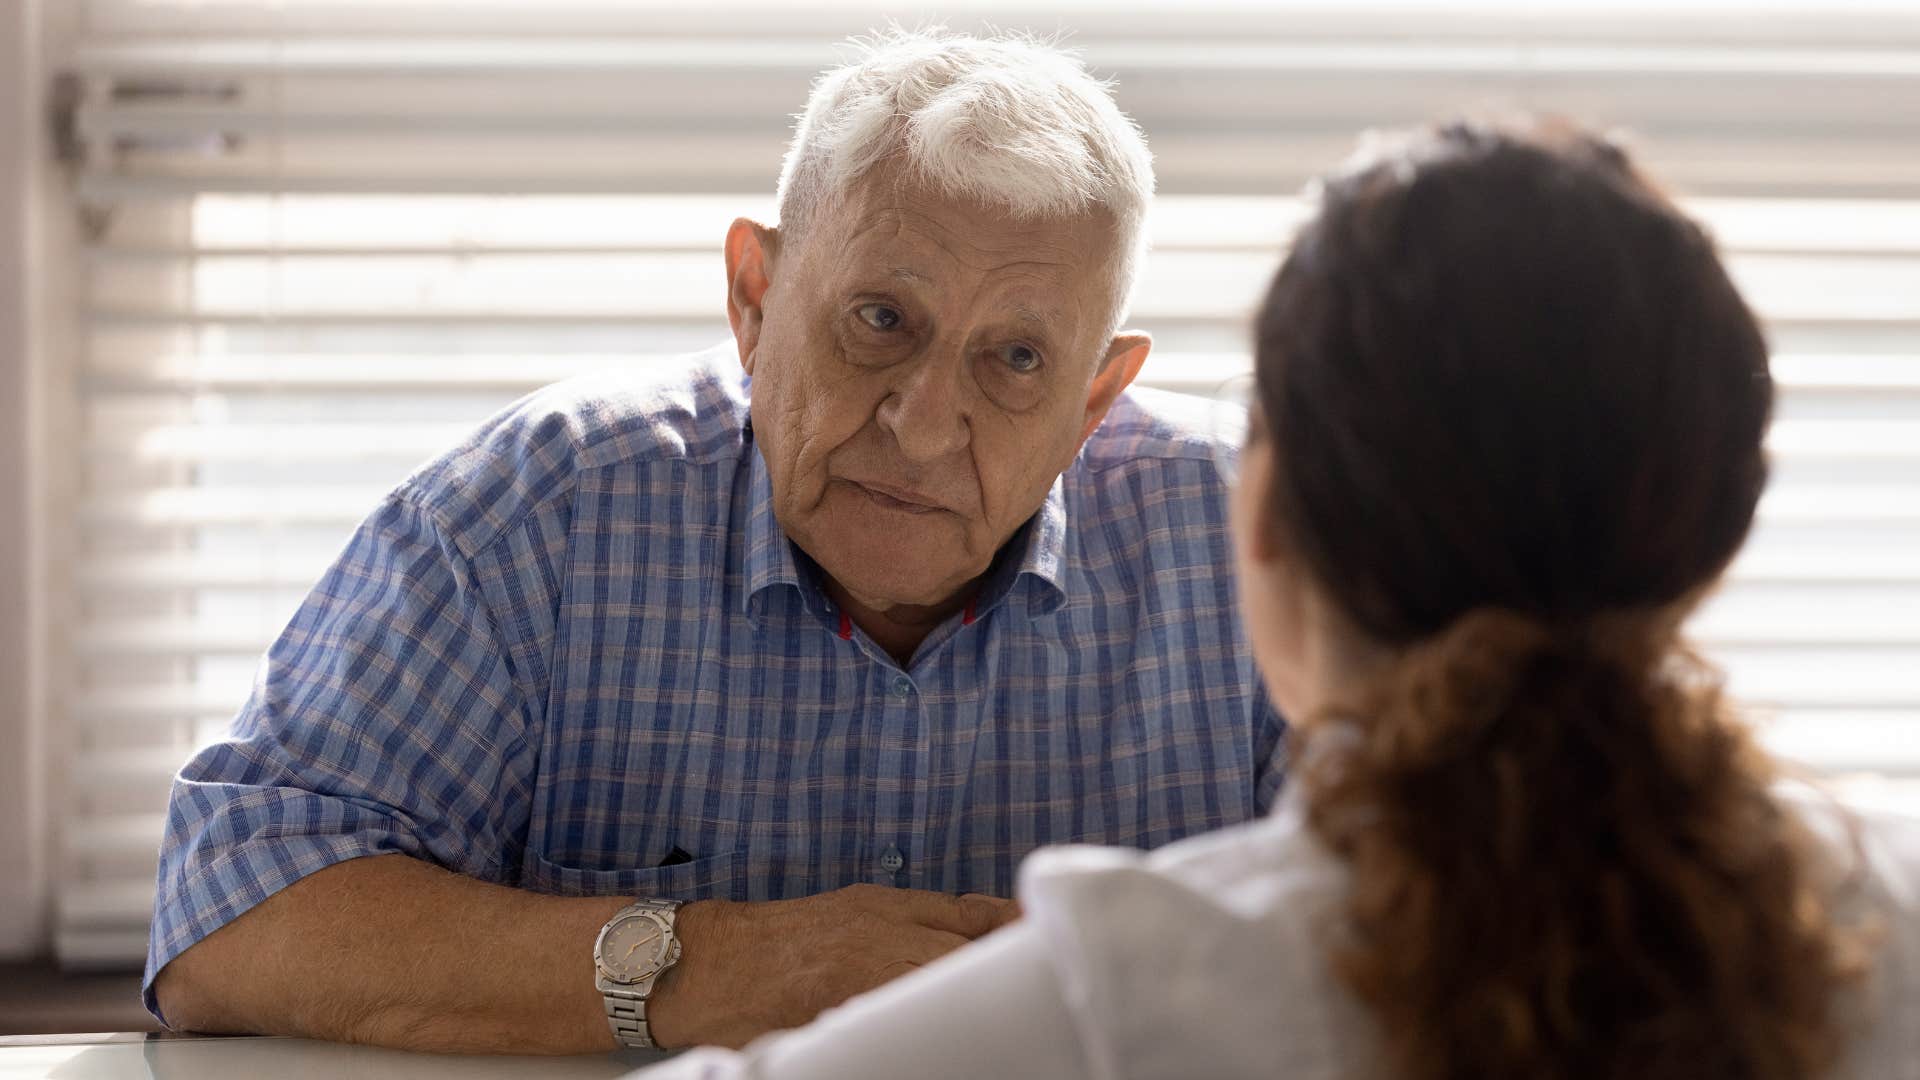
[[578, 655]]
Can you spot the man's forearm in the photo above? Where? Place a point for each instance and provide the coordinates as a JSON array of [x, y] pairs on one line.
[[394, 951]]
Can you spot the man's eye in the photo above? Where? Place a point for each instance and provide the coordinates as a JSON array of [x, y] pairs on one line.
[[880, 316], [1022, 359]]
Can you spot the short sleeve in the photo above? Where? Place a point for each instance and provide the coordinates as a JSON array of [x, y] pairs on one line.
[[385, 719]]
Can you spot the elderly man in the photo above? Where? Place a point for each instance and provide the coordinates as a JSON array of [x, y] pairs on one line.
[[679, 705]]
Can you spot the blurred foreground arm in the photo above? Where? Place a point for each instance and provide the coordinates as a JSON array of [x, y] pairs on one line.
[[995, 1009]]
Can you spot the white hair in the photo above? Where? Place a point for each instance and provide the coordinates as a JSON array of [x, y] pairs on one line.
[[1007, 121]]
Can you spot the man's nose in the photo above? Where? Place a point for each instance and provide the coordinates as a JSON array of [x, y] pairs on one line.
[[927, 412]]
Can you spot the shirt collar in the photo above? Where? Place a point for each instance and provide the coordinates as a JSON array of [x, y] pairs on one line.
[[1036, 553], [1041, 549], [770, 557]]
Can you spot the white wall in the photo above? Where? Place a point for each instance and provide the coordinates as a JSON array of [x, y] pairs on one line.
[[29, 272]]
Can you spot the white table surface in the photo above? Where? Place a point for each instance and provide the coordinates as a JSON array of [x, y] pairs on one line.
[[167, 1057]]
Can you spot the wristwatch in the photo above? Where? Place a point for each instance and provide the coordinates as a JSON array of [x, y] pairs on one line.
[[634, 948]]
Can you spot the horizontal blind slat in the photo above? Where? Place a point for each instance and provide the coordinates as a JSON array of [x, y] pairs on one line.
[[117, 949], [277, 443], [1183, 53], [116, 834], [1803, 24], [1780, 627], [1835, 740], [293, 442], [1196, 164], [1838, 562], [1861, 505], [1892, 382], [459, 225]]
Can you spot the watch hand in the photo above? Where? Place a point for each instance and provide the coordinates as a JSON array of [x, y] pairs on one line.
[[636, 945]]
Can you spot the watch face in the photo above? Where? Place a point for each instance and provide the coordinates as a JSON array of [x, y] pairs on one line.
[[634, 947]]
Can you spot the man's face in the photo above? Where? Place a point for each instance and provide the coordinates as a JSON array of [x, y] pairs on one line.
[[922, 371]]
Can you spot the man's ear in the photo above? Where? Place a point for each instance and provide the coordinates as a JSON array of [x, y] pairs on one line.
[[751, 251], [1126, 353]]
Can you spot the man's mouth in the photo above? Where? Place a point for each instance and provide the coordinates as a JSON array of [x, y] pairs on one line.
[[905, 500]]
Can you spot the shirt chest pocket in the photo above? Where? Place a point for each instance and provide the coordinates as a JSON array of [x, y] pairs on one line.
[[699, 879]]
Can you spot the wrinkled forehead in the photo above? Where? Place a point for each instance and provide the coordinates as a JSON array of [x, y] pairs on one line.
[[886, 224]]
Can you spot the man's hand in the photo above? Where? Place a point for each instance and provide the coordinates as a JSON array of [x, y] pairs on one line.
[[747, 969]]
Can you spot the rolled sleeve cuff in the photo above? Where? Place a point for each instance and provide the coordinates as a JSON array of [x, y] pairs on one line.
[[213, 878]]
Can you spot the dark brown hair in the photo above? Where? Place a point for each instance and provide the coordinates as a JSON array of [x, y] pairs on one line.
[[1517, 411]]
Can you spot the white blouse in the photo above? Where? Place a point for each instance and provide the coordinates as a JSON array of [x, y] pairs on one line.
[[1205, 959]]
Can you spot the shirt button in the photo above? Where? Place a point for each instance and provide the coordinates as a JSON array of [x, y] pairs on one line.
[[903, 688], [891, 861]]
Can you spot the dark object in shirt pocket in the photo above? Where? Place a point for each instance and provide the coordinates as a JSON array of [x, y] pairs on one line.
[[693, 879]]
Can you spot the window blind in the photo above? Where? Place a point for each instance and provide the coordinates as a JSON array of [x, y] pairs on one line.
[[327, 238]]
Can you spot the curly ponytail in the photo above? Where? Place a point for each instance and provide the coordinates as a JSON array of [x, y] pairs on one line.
[[1566, 862], [1517, 412]]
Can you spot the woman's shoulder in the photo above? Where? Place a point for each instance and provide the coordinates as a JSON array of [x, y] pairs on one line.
[[1869, 844], [1270, 870], [1223, 933], [1868, 864]]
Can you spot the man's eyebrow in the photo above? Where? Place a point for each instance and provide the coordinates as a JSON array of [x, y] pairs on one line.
[[1022, 313]]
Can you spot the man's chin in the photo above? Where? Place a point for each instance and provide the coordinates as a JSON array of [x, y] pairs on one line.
[[890, 570], [885, 558], [884, 591]]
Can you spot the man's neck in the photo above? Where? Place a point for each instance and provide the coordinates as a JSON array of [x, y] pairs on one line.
[[899, 628]]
